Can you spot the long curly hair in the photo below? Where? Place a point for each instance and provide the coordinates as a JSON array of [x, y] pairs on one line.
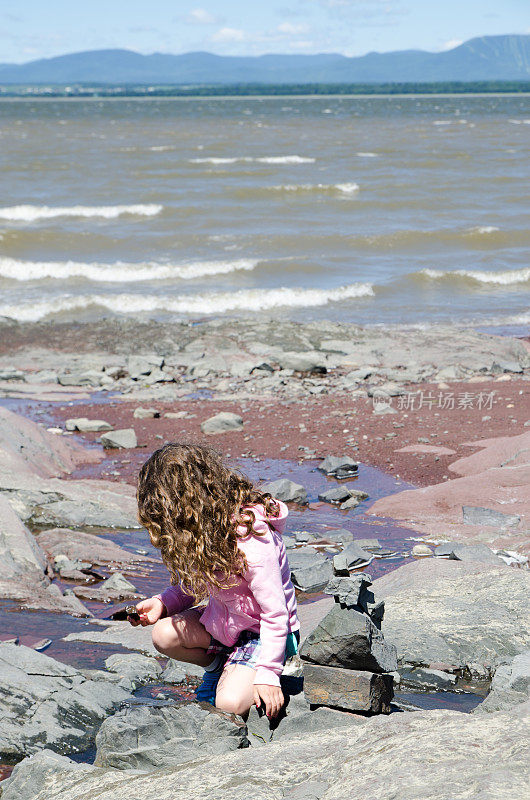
[[191, 504]]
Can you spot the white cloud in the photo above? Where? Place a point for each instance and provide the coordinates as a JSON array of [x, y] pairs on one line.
[[201, 17], [293, 29], [229, 35], [452, 43]]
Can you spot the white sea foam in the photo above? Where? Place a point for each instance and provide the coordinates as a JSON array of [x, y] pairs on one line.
[[501, 278], [160, 148], [258, 160], [213, 303], [483, 229], [32, 213], [343, 188], [118, 272], [367, 155]]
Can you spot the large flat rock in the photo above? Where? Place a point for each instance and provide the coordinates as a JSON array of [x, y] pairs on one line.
[[44, 703], [432, 755], [456, 612]]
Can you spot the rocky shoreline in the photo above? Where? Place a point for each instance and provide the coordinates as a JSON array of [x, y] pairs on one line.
[[314, 409]]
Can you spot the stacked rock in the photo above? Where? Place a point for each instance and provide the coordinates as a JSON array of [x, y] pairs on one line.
[[346, 659]]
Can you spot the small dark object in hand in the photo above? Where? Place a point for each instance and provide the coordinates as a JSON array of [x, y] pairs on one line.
[[132, 613]]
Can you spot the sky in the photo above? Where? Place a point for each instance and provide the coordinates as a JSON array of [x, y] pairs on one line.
[[32, 29]]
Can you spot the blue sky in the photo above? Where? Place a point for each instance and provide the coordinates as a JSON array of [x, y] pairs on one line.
[[31, 29]]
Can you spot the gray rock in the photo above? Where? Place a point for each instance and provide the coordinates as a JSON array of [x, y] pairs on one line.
[[355, 555], [86, 425], [475, 515], [150, 738], [80, 378], [373, 545], [339, 466], [286, 490], [23, 575], [43, 701], [33, 772], [124, 439], [510, 685], [347, 638], [114, 589], [302, 362], [145, 413], [134, 667], [445, 548], [486, 759], [499, 367], [425, 678], [117, 633], [222, 423], [338, 535], [141, 365], [339, 494], [347, 591], [457, 613], [86, 547], [475, 552], [177, 672], [312, 578], [349, 689]]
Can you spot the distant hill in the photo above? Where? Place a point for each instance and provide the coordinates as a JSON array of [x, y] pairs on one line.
[[497, 58]]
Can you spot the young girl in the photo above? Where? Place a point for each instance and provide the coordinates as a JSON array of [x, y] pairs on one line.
[[220, 539]]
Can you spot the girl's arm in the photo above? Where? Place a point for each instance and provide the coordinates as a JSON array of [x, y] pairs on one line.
[[175, 599], [265, 582]]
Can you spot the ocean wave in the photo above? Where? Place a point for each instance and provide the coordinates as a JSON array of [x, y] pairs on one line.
[[161, 148], [502, 278], [342, 188], [366, 155], [483, 229], [118, 272], [32, 213], [214, 303], [257, 160]]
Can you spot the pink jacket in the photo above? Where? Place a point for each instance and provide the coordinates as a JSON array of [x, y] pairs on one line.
[[263, 601]]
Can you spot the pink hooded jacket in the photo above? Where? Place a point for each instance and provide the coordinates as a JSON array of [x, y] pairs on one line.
[[263, 601]]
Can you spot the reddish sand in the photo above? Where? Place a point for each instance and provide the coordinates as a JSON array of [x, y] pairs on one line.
[[324, 424]]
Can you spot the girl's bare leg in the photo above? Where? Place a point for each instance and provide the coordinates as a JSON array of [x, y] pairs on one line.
[[235, 690], [183, 637]]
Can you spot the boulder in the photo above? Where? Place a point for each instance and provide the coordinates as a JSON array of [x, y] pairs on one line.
[[86, 547], [339, 466], [177, 672], [24, 564], [222, 423], [476, 515], [45, 703], [475, 552], [348, 689], [302, 362], [421, 550], [456, 613], [85, 425], [123, 439], [350, 557], [286, 490], [146, 413], [510, 685], [151, 738], [339, 494], [310, 570], [348, 638], [114, 589], [134, 667], [141, 365], [486, 758]]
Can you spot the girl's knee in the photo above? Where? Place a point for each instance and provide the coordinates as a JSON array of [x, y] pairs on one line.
[[165, 635], [231, 704]]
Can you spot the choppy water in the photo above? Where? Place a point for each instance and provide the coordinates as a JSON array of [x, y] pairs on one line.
[[374, 210]]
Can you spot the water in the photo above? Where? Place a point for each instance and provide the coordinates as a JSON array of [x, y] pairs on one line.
[[375, 210]]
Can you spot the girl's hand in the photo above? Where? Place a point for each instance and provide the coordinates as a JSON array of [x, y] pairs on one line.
[[150, 611], [270, 696]]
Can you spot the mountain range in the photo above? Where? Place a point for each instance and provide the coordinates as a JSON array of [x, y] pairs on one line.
[[487, 58]]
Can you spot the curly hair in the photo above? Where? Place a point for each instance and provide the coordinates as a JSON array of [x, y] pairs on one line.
[[192, 504]]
